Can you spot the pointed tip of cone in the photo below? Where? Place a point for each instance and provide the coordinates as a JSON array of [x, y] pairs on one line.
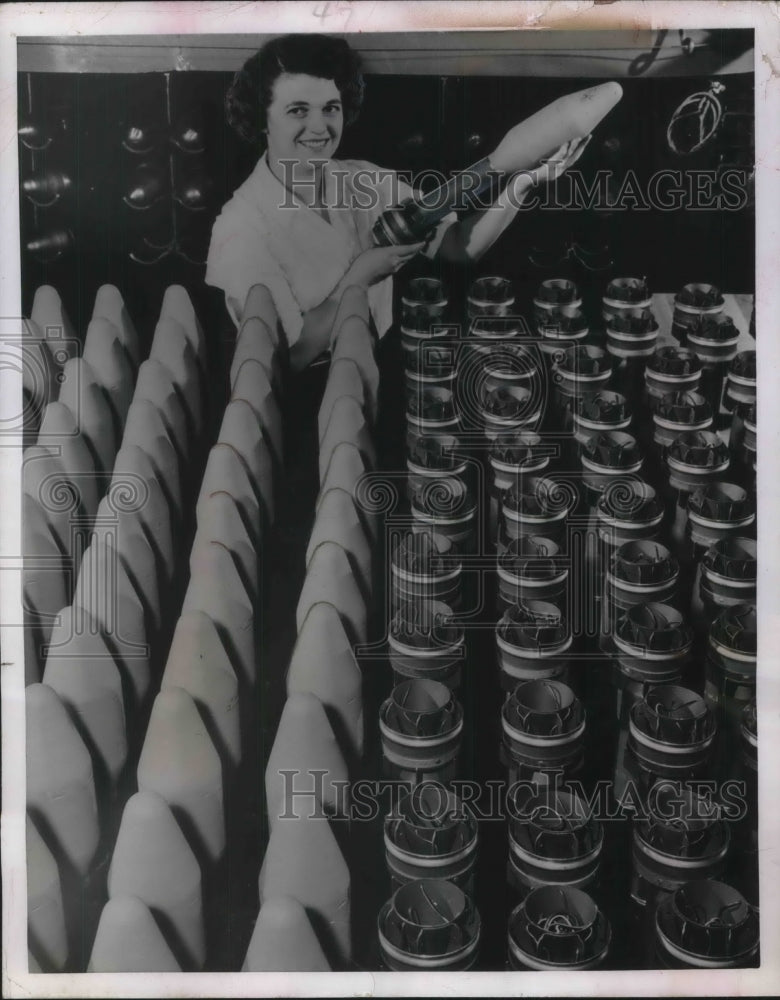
[[303, 860], [284, 940], [151, 847], [128, 939]]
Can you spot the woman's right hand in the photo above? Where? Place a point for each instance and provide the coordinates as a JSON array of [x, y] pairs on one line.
[[379, 262]]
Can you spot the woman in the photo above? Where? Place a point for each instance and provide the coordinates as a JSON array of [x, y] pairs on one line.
[[301, 224]]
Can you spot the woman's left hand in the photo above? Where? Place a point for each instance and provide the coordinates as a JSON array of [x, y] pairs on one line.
[[553, 166]]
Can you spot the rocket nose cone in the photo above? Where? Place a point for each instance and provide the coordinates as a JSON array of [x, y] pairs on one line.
[[129, 940], [283, 940]]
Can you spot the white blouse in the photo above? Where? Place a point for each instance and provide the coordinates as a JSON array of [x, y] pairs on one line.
[[264, 235]]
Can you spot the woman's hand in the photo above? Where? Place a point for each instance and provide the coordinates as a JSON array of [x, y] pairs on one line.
[[563, 158], [379, 262]]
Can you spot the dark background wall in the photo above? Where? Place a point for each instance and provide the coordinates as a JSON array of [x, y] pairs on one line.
[[150, 160]]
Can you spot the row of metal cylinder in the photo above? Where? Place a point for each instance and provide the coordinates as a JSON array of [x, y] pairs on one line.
[[426, 643]]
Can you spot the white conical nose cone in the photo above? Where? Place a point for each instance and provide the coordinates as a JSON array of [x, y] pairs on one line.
[[118, 528], [344, 379], [345, 471], [155, 384], [323, 664], [146, 430], [82, 671], [216, 588], [110, 305], [107, 358], [329, 578], [86, 399], [220, 521], [353, 302], [177, 305], [304, 743], [134, 466], [43, 576], [59, 433], [259, 302], [255, 343], [60, 787], [353, 340], [283, 940], [347, 423], [45, 915], [46, 482], [49, 314], [104, 591], [39, 371], [179, 762], [153, 861], [199, 664], [337, 521], [241, 429], [252, 383], [226, 473], [128, 939], [304, 861], [172, 348]]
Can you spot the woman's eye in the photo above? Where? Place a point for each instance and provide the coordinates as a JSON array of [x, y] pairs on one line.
[[332, 109], [298, 112]]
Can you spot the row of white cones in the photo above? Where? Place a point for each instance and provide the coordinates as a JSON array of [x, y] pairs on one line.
[[97, 672]]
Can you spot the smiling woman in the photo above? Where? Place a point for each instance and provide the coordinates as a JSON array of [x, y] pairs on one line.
[[302, 222]]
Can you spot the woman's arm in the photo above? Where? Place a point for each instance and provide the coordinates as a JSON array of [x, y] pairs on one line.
[[468, 239]]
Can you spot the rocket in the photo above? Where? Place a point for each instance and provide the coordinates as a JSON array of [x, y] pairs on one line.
[[60, 784], [172, 348], [347, 423], [304, 743], [199, 664], [337, 520], [45, 913], [345, 470], [155, 384], [86, 399], [329, 577], [82, 671], [253, 384], [110, 305], [259, 303], [220, 521], [178, 761], [303, 861], [104, 591], [129, 939], [226, 473], [240, 428], [353, 340], [283, 940], [522, 148], [344, 379], [153, 861], [59, 434], [216, 588], [323, 664], [106, 356]]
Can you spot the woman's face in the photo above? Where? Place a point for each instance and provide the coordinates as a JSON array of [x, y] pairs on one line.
[[305, 119]]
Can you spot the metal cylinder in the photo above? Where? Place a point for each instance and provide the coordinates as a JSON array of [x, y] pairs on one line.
[[741, 380], [623, 294], [423, 297], [490, 296], [640, 572], [729, 571], [691, 304], [608, 456], [716, 511], [543, 728], [533, 640], [536, 505], [599, 412], [424, 567], [447, 507], [582, 368], [425, 642], [552, 294], [706, 924], [731, 663], [679, 412], [429, 925], [431, 834], [531, 568], [553, 839], [671, 731], [511, 456], [507, 409], [671, 369], [430, 412], [558, 928], [632, 333], [695, 459], [431, 364], [421, 725], [433, 456], [653, 643], [558, 328]]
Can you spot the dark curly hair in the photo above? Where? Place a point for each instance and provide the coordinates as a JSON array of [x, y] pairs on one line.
[[324, 56]]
